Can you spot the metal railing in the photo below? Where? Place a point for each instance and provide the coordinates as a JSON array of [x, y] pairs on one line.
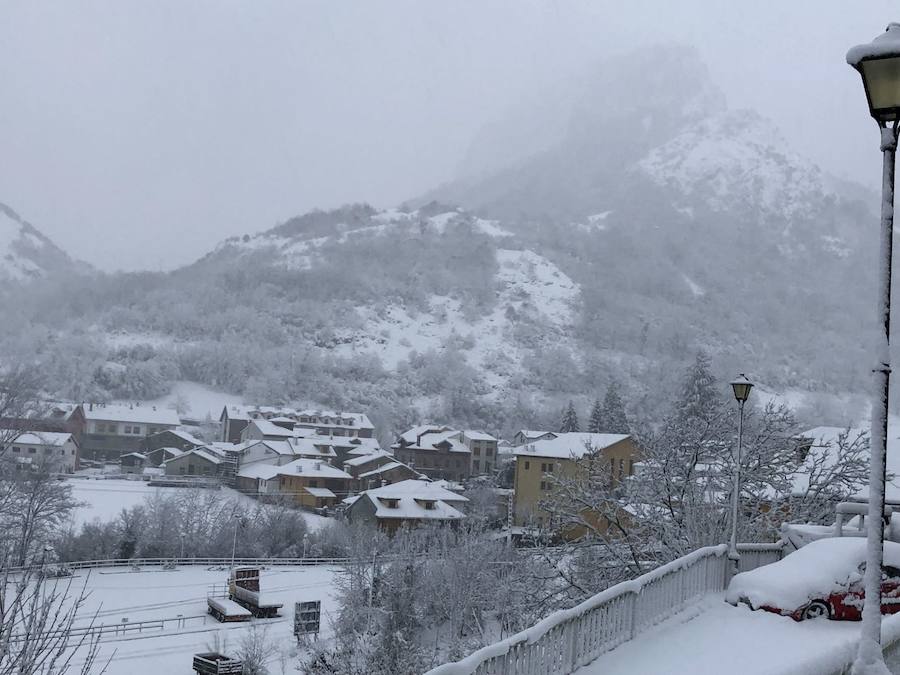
[[571, 638], [175, 562]]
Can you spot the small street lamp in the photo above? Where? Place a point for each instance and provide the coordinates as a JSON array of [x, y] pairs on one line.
[[878, 62], [741, 387]]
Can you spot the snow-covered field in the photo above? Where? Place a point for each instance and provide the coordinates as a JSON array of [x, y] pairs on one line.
[[104, 499], [152, 594], [200, 400], [713, 638]]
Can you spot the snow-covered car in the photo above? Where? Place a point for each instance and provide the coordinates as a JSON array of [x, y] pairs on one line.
[[822, 579]]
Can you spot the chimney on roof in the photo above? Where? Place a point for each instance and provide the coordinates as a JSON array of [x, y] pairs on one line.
[[92, 406]]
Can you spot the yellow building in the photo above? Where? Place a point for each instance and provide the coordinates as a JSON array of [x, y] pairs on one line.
[[566, 454]]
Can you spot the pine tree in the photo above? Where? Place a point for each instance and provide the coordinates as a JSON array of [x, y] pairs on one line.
[[569, 420], [700, 398], [613, 419], [595, 425]]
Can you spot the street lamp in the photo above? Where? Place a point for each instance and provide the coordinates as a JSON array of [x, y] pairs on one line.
[[878, 62], [741, 387]]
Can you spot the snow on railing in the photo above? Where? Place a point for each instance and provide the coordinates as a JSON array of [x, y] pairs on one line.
[[571, 638], [207, 562]]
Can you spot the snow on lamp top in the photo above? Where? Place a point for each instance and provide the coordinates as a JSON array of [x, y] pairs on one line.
[[878, 62], [883, 46]]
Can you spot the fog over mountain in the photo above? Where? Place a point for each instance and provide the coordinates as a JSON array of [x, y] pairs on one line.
[[645, 231]]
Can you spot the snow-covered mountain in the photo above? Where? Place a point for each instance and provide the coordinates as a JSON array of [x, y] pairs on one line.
[[637, 232], [27, 254]]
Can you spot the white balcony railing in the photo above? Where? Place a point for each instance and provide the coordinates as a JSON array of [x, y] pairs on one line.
[[571, 638]]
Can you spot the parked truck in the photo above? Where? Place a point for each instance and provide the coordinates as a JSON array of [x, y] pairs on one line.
[[213, 663], [243, 588]]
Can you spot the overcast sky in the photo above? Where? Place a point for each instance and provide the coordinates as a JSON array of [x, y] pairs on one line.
[[139, 134]]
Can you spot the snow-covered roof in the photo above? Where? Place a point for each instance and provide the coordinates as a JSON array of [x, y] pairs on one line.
[[299, 467], [313, 446], [420, 489], [321, 418], [184, 435], [390, 466], [371, 456], [410, 435], [532, 434], [808, 573], [569, 445], [278, 447], [54, 438], [134, 454], [312, 468], [259, 470], [202, 454], [475, 435], [429, 437], [884, 45], [320, 492], [267, 428], [412, 508], [131, 413]]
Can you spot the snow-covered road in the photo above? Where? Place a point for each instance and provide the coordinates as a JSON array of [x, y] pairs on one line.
[[115, 594], [713, 637]]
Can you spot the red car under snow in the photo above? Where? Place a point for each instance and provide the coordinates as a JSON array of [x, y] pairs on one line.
[[822, 579]]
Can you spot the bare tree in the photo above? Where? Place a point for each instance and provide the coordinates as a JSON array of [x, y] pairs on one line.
[[21, 404], [38, 635], [35, 506]]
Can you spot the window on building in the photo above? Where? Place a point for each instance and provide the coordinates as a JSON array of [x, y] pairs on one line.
[[476, 450], [630, 467], [621, 469], [16, 448], [476, 465], [527, 465], [47, 451], [489, 451], [31, 451], [313, 483]]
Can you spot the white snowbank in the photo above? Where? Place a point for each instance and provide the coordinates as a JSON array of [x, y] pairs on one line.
[[814, 571]]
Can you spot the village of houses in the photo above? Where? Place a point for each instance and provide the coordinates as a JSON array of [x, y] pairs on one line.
[[327, 462]]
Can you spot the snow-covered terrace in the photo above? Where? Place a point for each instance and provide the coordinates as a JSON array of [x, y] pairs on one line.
[[675, 620]]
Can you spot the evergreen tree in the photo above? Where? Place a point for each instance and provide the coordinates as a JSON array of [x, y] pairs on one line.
[[569, 420], [700, 398], [595, 425], [613, 419]]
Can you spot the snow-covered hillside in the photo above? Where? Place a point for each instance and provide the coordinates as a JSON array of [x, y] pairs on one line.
[[527, 285], [301, 250], [25, 253], [736, 159]]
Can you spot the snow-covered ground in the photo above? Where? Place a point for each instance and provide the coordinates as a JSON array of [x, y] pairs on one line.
[[200, 400], [713, 637], [153, 594], [104, 499]]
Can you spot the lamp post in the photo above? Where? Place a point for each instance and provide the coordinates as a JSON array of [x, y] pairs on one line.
[[741, 387], [237, 519], [878, 62]]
